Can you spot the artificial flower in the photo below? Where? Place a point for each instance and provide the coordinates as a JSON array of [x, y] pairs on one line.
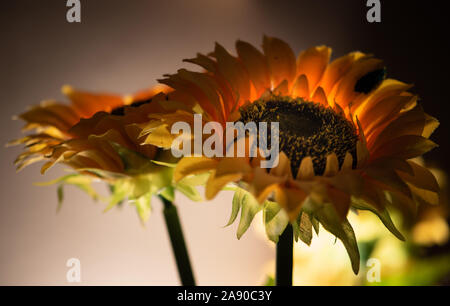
[[347, 136], [97, 135]]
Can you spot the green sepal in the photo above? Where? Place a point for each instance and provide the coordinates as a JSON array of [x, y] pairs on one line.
[[326, 214], [134, 187], [303, 228], [249, 208], [315, 224], [382, 215], [275, 220], [168, 193], [119, 193], [189, 191], [143, 206], [235, 207], [80, 181], [245, 202]]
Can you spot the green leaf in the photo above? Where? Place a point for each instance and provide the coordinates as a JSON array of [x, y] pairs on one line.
[[120, 191], [275, 220], [382, 215], [328, 217], [249, 208]]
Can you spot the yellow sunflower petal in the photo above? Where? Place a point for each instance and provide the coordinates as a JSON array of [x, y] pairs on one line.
[[388, 177], [385, 111], [280, 59], [193, 165], [337, 69], [41, 115], [234, 73], [312, 63], [421, 177], [282, 89], [28, 162], [103, 160], [203, 61], [88, 104], [300, 88], [408, 146], [160, 137], [414, 122], [320, 97], [256, 65], [346, 89], [427, 196], [387, 88], [230, 165], [205, 91], [215, 184]]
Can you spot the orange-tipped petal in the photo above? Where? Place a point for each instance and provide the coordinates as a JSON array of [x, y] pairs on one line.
[[280, 59], [256, 65], [312, 63], [301, 88]]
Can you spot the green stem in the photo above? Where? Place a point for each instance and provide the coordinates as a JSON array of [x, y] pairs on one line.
[[284, 259], [178, 245]]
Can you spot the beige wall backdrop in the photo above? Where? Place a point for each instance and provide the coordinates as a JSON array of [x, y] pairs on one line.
[[123, 46]]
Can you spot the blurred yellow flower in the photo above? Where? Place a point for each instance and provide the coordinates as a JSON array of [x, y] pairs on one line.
[[98, 135]]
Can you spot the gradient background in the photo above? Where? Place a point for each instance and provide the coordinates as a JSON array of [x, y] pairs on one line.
[[123, 46]]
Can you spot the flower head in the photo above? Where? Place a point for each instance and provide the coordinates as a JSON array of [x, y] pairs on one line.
[[98, 135], [347, 134]]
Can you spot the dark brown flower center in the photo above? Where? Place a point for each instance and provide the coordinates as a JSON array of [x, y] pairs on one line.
[[306, 129]]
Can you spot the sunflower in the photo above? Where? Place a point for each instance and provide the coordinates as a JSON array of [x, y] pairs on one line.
[[97, 135], [50, 122], [347, 136]]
